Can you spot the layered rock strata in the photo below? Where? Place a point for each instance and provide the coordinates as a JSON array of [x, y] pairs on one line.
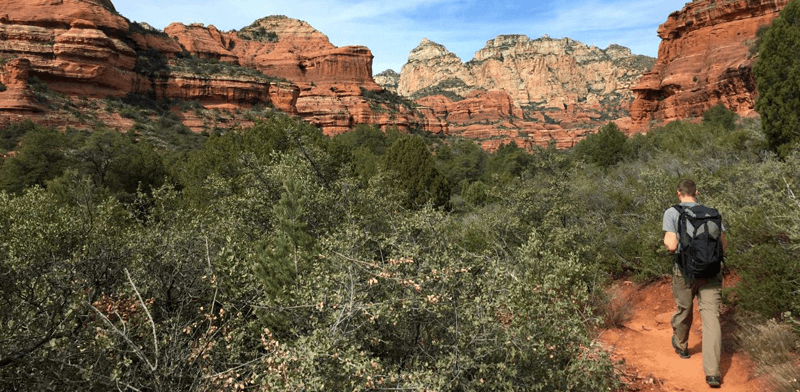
[[492, 118], [84, 48], [17, 94], [330, 79], [705, 58]]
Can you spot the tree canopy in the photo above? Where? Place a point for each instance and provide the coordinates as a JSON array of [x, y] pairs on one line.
[[777, 70]]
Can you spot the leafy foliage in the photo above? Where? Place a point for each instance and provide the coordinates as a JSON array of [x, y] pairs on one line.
[[778, 75], [604, 148], [274, 257], [411, 166], [721, 116]]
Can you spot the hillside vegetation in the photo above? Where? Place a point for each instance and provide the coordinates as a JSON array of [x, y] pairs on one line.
[[275, 258]]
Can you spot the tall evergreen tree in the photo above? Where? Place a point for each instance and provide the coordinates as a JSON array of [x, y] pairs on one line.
[[778, 74]]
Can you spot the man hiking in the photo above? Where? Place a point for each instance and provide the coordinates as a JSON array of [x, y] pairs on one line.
[[696, 235]]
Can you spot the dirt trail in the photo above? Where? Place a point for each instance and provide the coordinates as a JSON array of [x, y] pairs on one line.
[[652, 364]]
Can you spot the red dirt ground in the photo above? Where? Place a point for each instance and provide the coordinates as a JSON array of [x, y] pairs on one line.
[[651, 364]]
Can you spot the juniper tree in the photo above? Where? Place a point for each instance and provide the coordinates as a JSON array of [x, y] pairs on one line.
[[778, 75]]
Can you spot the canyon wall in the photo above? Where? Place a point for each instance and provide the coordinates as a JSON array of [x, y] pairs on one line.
[[84, 48], [706, 56], [529, 91]]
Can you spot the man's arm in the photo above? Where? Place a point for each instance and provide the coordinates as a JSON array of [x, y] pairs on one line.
[[671, 241], [724, 241]]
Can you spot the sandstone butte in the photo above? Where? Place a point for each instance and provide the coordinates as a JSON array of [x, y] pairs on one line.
[[704, 59], [84, 48], [522, 90]]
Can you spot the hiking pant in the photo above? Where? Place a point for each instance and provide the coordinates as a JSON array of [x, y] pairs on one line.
[[708, 293]]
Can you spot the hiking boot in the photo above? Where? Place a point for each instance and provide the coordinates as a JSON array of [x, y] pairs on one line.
[[683, 353], [713, 381]]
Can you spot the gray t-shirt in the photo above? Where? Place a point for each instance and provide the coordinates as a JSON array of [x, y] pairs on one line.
[[671, 216]]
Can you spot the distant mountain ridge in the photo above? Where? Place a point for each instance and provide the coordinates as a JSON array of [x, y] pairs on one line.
[[555, 88]]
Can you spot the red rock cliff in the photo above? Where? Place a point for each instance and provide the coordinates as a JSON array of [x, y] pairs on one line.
[[82, 47], [330, 78], [703, 60]]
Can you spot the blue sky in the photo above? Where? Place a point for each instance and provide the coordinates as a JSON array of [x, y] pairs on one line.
[[392, 28]]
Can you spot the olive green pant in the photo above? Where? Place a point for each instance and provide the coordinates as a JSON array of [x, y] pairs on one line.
[[709, 294]]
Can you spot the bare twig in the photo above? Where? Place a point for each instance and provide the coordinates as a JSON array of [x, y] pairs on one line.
[[791, 193], [133, 345], [213, 277], [149, 317]]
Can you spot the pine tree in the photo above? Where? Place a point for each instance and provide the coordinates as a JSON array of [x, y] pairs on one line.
[[286, 254], [778, 75]]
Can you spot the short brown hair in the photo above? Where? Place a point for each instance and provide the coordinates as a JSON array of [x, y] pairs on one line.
[[687, 188]]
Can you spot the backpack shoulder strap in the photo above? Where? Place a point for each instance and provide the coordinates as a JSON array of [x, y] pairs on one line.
[[681, 232]]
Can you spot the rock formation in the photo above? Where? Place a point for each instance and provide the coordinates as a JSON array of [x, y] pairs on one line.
[[331, 79], [704, 58], [83, 48], [17, 94], [548, 85], [388, 79], [530, 91]]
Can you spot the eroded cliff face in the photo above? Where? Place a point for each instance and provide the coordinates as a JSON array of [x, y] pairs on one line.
[[331, 80], [555, 88], [704, 59], [18, 95], [84, 48]]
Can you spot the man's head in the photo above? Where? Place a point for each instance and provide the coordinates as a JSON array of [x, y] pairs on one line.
[[687, 188]]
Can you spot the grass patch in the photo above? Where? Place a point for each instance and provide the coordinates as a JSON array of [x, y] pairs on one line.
[[772, 346], [617, 309]]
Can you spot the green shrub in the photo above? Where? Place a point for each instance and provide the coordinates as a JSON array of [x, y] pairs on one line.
[[413, 170], [605, 148], [721, 116]]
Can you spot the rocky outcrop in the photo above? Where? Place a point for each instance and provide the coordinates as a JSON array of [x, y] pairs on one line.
[[389, 80], [705, 58], [552, 84], [16, 94], [545, 72], [75, 45], [492, 118], [147, 37], [220, 91]]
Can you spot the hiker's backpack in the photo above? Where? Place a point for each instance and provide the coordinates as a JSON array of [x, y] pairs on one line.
[[699, 241]]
